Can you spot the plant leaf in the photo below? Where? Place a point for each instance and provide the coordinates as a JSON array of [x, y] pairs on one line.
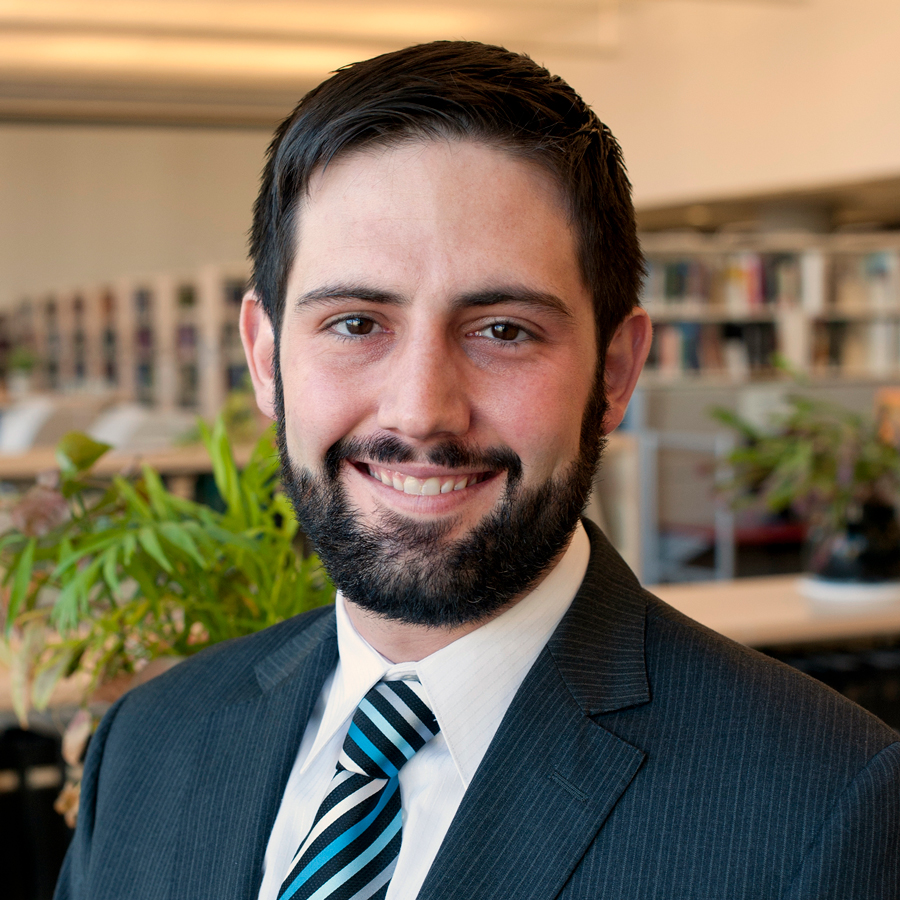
[[150, 542], [73, 600], [47, 677], [156, 491], [224, 470], [21, 581], [110, 570], [133, 499], [180, 537], [22, 666], [77, 452]]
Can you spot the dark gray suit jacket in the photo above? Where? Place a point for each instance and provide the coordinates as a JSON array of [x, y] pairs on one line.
[[643, 757]]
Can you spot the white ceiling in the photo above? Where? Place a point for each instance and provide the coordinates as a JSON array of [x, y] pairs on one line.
[[246, 61]]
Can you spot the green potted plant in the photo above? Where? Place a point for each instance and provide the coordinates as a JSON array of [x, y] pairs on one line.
[[836, 471], [110, 581]]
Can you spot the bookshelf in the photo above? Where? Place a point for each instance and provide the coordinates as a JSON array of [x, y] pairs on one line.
[[168, 340], [733, 305], [728, 310]]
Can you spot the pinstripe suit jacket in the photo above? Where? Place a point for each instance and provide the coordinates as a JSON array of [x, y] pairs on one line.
[[643, 757]]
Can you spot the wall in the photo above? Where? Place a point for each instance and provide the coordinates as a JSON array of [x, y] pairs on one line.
[[710, 98], [83, 204], [716, 99]]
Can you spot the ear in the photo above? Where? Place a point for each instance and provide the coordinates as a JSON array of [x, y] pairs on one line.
[[258, 338], [625, 358]]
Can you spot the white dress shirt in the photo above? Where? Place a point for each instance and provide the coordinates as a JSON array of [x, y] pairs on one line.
[[470, 684]]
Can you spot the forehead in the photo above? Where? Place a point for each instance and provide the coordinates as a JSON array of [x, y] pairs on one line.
[[447, 211], [443, 158]]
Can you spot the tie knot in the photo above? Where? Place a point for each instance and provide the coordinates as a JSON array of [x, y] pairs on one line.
[[390, 725]]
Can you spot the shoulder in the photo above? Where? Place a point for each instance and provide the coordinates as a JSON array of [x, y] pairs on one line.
[[709, 692], [234, 670], [160, 725], [742, 704]]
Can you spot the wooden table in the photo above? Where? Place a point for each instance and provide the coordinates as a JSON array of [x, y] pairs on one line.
[[190, 459], [764, 612]]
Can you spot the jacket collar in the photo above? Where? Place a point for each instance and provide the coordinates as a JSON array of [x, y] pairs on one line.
[[598, 647], [296, 652], [552, 774], [243, 754]]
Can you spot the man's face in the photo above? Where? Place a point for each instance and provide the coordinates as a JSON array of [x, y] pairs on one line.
[[437, 355]]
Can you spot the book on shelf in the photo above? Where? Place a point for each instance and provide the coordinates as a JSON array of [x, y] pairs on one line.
[[865, 283], [169, 339], [747, 282], [827, 304], [887, 409], [856, 348], [737, 284], [736, 350]]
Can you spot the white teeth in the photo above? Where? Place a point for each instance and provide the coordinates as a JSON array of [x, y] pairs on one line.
[[431, 487], [419, 487]]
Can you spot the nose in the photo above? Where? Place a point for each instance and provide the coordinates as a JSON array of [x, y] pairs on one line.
[[424, 394]]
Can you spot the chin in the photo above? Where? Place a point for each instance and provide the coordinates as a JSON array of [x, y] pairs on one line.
[[439, 572]]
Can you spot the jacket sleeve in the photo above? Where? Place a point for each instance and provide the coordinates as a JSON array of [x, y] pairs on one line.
[[73, 878], [856, 853]]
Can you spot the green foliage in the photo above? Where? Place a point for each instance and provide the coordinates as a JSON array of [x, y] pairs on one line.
[[102, 577], [819, 459], [239, 414]]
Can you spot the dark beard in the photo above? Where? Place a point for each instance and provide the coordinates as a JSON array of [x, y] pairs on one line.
[[407, 571]]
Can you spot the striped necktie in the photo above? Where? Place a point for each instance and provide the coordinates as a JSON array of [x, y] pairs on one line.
[[351, 851]]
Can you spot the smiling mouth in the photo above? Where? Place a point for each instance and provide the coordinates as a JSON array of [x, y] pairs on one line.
[[423, 487]]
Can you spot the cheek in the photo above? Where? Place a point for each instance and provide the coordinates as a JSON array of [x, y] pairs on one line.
[[540, 418], [320, 407]]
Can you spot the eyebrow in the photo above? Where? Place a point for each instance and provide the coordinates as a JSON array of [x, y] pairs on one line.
[[325, 295], [515, 294], [474, 299]]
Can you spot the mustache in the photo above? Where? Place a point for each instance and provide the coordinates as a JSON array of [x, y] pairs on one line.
[[387, 449]]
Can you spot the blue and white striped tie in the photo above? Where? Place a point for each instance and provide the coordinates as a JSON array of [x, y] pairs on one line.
[[351, 851]]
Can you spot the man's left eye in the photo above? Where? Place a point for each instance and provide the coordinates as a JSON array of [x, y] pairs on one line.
[[356, 326], [504, 331]]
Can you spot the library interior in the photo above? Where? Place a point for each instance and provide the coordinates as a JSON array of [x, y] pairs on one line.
[[754, 483]]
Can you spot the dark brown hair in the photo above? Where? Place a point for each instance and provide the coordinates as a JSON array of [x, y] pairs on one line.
[[457, 90]]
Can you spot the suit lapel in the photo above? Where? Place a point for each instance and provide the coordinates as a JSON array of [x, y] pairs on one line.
[[245, 751], [552, 775]]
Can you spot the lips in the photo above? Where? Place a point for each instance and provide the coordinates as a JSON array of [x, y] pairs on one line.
[[423, 487]]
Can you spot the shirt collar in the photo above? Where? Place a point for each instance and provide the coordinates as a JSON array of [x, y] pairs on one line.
[[471, 682]]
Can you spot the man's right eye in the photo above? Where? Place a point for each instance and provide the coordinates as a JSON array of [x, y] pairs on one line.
[[355, 326]]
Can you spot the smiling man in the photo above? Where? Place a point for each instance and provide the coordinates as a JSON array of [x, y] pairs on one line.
[[444, 325], [437, 312]]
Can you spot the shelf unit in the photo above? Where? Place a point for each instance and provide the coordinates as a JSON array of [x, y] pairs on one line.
[[732, 305], [167, 340], [731, 313]]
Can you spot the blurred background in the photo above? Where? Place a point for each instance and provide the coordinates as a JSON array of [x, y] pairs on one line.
[[762, 138]]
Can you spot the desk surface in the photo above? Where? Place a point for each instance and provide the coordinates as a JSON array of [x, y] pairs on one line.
[[190, 459], [770, 611]]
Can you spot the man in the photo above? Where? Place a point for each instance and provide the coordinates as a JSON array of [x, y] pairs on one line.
[[444, 324]]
